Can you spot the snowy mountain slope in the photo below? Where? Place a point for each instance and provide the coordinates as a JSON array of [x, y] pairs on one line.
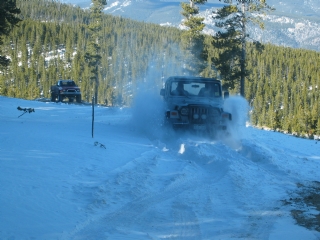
[[294, 23], [135, 181]]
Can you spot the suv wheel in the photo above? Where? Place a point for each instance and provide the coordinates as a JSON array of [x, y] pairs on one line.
[[53, 97], [60, 98], [78, 99]]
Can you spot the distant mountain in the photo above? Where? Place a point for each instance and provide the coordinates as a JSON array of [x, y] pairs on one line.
[[295, 23]]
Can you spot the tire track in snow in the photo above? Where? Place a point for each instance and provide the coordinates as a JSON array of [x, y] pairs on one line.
[[186, 223], [250, 170], [130, 212], [264, 175]]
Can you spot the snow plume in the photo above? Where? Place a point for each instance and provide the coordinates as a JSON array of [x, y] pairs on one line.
[[148, 110], [239, 108], [148, 105]]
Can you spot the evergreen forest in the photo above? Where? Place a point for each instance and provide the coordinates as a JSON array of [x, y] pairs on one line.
[[50, 43]]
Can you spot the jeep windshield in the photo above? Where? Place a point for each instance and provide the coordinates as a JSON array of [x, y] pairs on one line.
[[195, 88]]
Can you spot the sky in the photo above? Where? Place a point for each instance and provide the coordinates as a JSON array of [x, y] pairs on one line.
[[135, 180]]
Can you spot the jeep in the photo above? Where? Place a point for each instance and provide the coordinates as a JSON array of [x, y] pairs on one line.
[[196, 104]]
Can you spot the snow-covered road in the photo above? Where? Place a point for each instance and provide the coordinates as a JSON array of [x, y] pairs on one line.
[[131, 181]]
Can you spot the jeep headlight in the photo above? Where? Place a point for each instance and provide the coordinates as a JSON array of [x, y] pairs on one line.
[[184, 111]]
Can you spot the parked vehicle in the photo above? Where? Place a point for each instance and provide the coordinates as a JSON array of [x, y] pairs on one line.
[[65, 89]]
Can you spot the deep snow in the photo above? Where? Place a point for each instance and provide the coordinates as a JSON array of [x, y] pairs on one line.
[[133, 181]]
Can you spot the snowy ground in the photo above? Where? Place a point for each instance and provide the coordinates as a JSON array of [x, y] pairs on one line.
[[137, 183]]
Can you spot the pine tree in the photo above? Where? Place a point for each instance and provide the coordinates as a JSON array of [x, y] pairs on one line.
[[192, 38], [233, 19], [93, 54], [8, 19]]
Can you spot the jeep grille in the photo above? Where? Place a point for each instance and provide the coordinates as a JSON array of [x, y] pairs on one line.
[[201, 114]]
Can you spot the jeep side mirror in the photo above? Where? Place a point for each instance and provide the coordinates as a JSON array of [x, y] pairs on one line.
[[226, 94], [162, 92]]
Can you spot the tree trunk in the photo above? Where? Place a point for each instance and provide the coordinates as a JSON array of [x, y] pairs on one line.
[[243, 54]]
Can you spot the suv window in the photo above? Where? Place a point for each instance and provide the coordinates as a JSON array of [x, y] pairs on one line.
[[67, 83]]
